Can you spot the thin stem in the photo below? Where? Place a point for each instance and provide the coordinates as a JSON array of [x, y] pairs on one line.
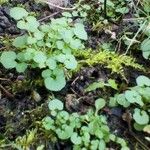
[[105, 9], [134, 38]]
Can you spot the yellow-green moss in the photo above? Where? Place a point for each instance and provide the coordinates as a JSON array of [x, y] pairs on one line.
[[111, 60], [3, 1]]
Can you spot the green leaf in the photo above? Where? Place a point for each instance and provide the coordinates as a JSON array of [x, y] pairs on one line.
[[48, 123], [122, 10], [120, 98], [70, 62], [21, 67], [18, 13], [145, 47], [60, 44], [67, 35], [134, 97], [143, 81], [67, 14], [94, 145], [38, 35], [46, 73], [51, 63], [138, 127], [40, 57], [80, 32], [29, 54], [32, 24], [75, 44], [141, 117], [55, 104], [61, 58], [147, 129], [8, 59], [102, 145], [31, 40], [45, 28], [65, 133], [20, 41], [113, 84], [113, 102], [56, 79], [22, 24], [75, 139], [94, 86], [125, 148], [100, 103]]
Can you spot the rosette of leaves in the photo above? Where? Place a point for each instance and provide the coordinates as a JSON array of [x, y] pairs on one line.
[[139, 97], [141, 118], [48, 46], [88, 131]]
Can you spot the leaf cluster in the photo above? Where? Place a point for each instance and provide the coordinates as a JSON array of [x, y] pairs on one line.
[[48, 46], [101, 84], [139, 97], [88, 131]]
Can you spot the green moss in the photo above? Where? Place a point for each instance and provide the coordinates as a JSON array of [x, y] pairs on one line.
[[3, 1], [111, 60]]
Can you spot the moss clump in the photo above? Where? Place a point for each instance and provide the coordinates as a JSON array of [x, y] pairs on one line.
[[111, 60]]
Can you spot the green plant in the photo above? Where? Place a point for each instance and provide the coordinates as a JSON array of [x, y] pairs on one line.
[[145, 45], [111, 83], [139, 96], [89, 131], [109, 59], [3, 1], [49, 47]]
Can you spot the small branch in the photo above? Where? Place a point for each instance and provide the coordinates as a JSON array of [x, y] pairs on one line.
[[56, 6], [6, 92], [47, 17], [134, 38], [105, 9]]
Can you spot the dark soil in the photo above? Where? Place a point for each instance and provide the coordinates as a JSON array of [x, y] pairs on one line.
[[20, 110]]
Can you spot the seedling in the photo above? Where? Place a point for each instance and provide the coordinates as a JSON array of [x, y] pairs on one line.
[[49, 47]]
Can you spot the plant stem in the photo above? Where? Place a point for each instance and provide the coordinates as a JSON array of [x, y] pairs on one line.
[[105, 9]]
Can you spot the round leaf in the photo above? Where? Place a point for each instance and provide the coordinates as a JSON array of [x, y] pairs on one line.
[[8, 59], [142, 81], [21, 67], [40, 57], [55, 104], [80, 32], [141, 117], [70, 62], [56, 81], [51, 63], [100, 103], [75, 139], [134, 97], [18, 13], [20, 41]]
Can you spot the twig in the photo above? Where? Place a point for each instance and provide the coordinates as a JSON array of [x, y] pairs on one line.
[[105, 9], [6, 92], [133, 39], [49, 16], [4, 79], [56, 6]]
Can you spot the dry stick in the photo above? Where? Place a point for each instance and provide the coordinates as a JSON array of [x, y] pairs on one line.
[[56, 6], [6, 92], [133, 39], [47, 17], [4, 79]]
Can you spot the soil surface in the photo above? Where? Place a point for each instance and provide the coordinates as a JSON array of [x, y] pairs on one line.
[[20, 105]]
